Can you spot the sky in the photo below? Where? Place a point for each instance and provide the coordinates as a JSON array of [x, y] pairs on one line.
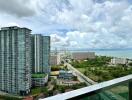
[[73, 24]]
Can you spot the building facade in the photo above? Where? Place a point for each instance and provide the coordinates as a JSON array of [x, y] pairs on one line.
[[46, 54], [39, 79], [83, 55], [37, 51], [66, 75], [118, 61], [15, 60], [41, 53], [55, 60]]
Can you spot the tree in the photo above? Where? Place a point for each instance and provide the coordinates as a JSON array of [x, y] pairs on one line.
[[44, 90], [75, 78], [85, 72], [130, 64]]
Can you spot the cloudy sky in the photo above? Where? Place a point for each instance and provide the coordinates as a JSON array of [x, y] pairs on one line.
[[89, 24]]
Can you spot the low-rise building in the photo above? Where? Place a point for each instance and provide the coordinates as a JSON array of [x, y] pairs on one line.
[[65, 74], [39, 79], [67, 82], [129, 61], [83, 55], [118, 61]]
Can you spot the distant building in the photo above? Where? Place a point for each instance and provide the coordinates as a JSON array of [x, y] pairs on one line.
[[65, 74], [39, 79], [129, 61], [118, 61], [41, 53], [55, 60], [83, 55], [15, 60]]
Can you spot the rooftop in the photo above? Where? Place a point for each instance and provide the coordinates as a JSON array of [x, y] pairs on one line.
[[13, 27], [38, 75]]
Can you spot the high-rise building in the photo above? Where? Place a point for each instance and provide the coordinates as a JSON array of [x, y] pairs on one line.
[[15, 60], [41, 53], [46, 54], [37, 53]]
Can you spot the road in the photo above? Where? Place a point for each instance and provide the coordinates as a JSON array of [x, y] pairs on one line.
[[80, 76], [107, 95]]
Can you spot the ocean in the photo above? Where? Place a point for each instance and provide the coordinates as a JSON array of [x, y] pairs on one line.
[[115, 53]]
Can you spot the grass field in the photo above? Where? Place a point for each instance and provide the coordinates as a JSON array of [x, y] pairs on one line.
[[81, 70]]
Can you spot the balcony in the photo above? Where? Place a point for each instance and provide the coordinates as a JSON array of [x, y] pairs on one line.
[[116, 89]]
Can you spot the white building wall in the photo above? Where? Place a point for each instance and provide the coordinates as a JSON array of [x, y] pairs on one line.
[[55, 60], [118, 61]]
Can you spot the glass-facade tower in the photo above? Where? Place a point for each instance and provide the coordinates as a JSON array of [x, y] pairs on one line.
[[46, 54], [15, 60], [41, 53], [37, 53]]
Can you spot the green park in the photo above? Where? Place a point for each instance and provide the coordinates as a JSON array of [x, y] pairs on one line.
[[98, 69]]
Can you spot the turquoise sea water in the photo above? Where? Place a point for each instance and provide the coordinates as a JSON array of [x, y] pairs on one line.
[[115, 53]]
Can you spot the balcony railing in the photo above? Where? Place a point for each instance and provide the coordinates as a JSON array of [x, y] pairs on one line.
[[116, 89]]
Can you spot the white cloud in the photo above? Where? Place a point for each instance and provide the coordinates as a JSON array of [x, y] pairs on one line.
[[58, 41], [90, 23], [20, 8], [99, 25]]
